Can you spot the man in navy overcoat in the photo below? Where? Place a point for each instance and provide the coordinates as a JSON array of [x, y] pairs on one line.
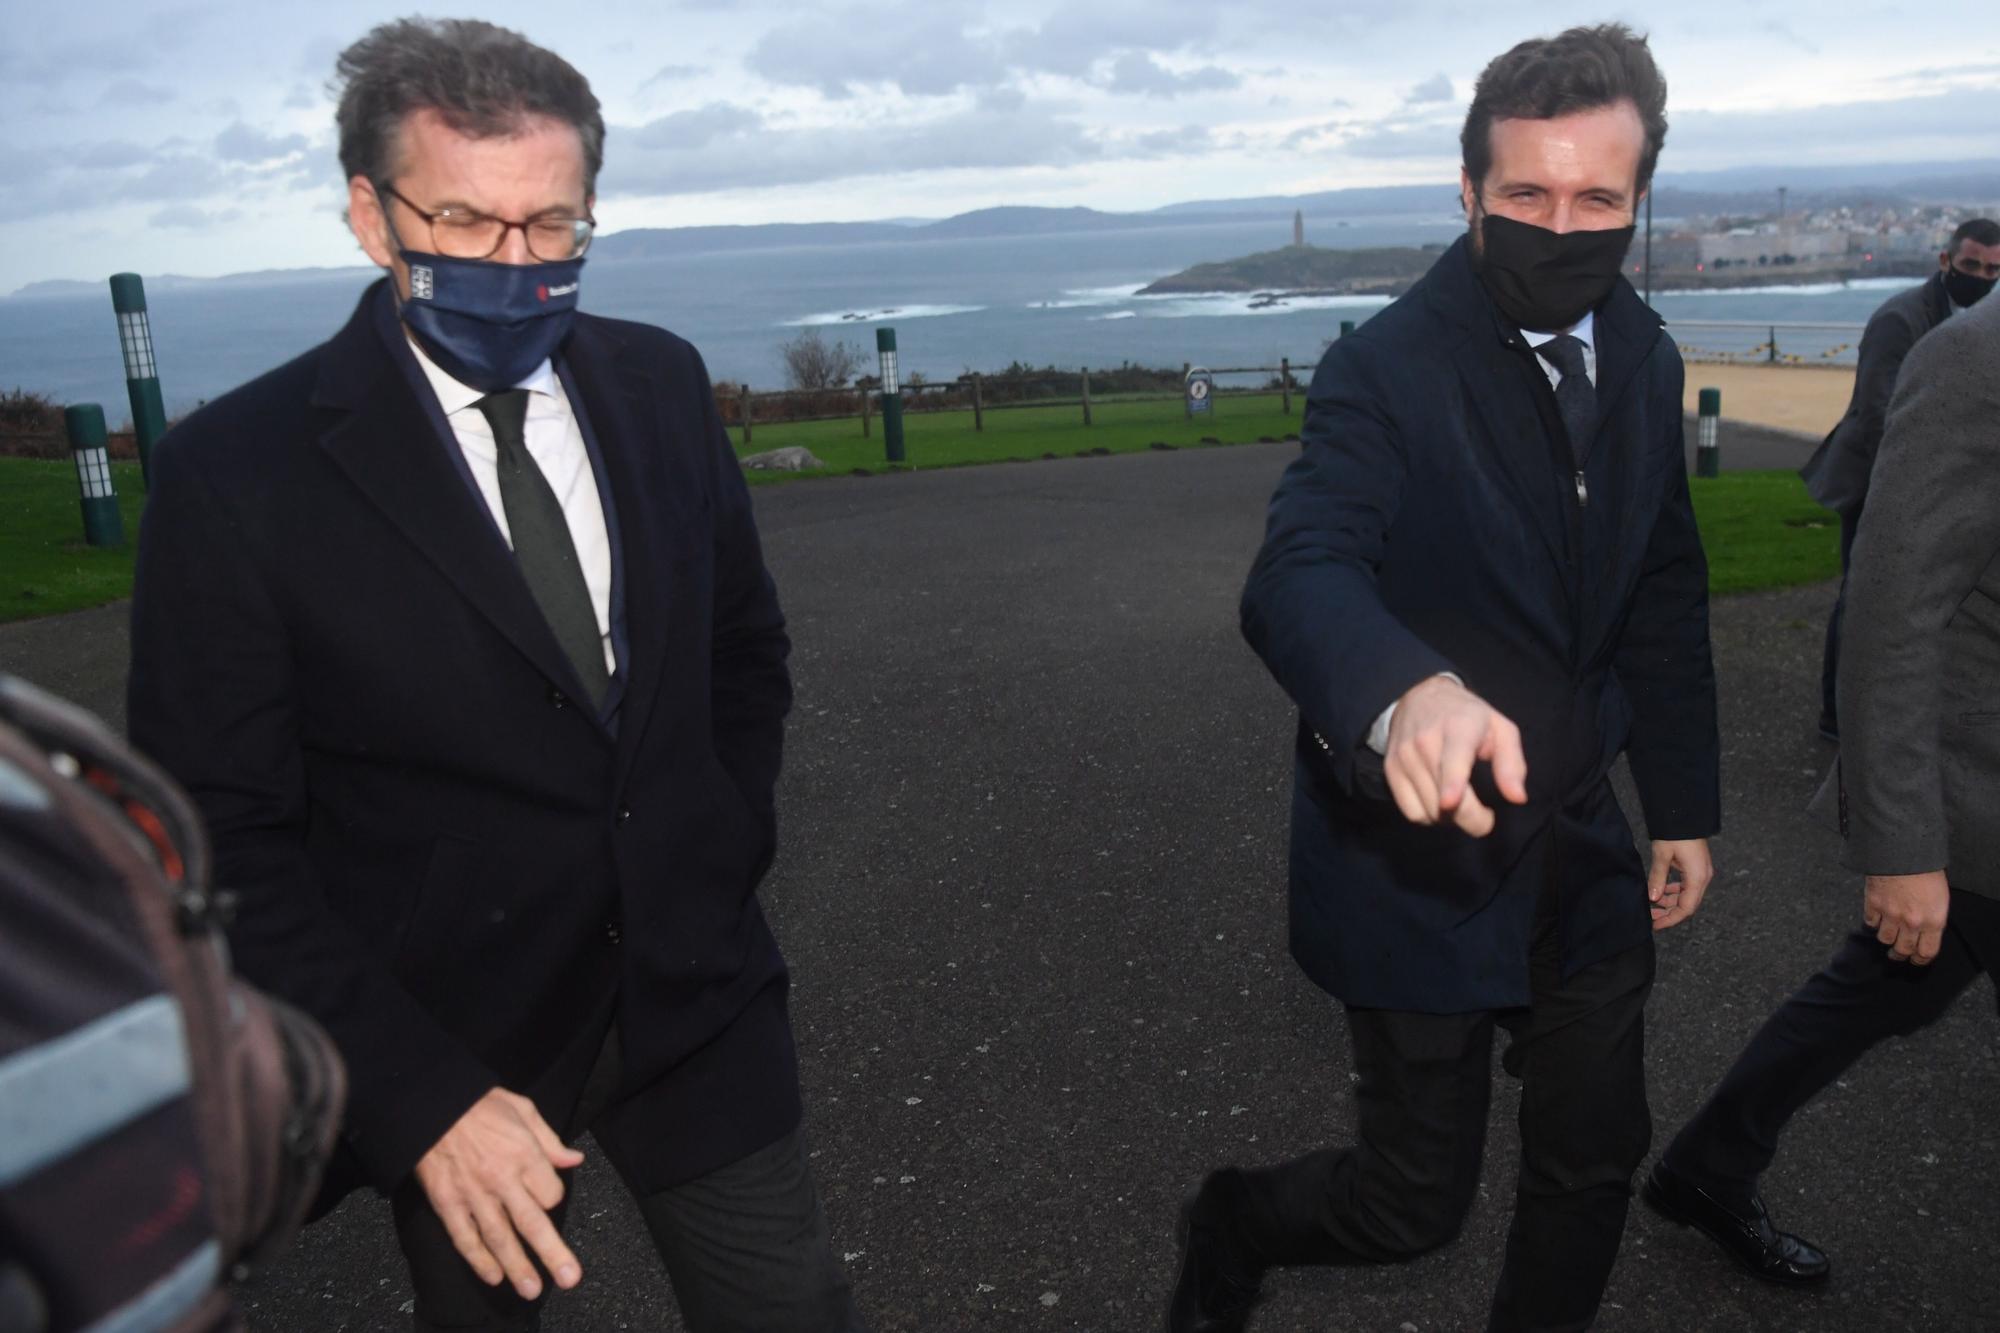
[[1481, 583]]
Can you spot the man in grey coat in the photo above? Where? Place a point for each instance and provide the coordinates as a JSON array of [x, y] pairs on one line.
[[1837, 473], [1915, 793]]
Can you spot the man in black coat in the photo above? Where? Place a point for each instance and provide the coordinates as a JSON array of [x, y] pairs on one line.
[[458, 630], [1486, 553], [1837, 474]]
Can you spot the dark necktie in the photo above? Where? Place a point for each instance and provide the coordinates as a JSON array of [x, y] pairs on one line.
[[1576, 397], [542, 544]]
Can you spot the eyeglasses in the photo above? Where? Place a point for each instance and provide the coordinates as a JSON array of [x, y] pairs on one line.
[[460, 233]]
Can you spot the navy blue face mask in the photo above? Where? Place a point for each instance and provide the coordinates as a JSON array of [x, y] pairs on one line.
[[486, 324]]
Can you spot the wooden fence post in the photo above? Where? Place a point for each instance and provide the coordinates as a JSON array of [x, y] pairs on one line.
[[864, 414], [1086, 395], [978, 403], [744, 407], [1285, 378]]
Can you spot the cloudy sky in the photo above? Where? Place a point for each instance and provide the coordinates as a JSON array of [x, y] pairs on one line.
[[198, 138]]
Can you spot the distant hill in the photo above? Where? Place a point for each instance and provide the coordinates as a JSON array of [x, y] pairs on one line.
[[658, 242], [643, 242], [1736, 190], [167, 282], [1740, 190]]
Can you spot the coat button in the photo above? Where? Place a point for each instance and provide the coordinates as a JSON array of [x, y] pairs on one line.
[[624, 813], [611, 932], [557, 699]]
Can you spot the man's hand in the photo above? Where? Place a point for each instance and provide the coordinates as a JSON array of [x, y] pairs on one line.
[[492, 1180], [1675, 899], [1440, 730], [1907, 913]]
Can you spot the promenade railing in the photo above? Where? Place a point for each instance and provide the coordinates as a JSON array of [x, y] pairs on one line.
[[1767, 342]]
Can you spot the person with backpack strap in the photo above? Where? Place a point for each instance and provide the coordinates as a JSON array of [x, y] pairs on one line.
[[163, 1125]]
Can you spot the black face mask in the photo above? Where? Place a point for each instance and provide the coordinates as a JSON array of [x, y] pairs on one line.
[[1964, 289], [1543, 279]]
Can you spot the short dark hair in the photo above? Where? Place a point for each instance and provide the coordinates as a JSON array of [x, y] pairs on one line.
[[1579, 70], [481, 78], [1980, 231]]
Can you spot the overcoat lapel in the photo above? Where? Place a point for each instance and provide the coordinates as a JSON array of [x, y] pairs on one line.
[[623, 398], [379, 433]]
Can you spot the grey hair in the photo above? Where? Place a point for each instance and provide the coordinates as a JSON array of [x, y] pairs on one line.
[[481, 78]]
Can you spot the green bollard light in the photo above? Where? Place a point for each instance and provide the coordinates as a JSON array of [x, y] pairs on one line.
[[142, 375], [102, 523], [892, 396], [1707, 444]]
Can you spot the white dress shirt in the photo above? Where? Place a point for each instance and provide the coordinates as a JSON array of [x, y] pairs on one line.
[[1584, 329], [555, 442]]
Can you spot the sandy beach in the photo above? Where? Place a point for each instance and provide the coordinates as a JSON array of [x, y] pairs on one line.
[[1805, 399]]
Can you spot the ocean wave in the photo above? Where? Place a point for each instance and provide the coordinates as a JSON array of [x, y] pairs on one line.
[[826, 317], [1796, 288], [1081, 298], [1119, 314], [1252, 303]]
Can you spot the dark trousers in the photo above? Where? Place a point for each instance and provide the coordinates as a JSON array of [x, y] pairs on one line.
[[1829, 671], [1858, 999], [746, 1247], [1425, 1085]]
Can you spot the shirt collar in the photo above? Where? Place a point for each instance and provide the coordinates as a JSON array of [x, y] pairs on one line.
[[1582, 332], [455, 396]]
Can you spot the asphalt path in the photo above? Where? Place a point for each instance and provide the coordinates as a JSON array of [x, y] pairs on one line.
[[1031, 887]]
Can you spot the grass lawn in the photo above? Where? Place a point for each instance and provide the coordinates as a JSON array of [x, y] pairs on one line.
[[1760, 528], [45, 567], [947, 439]]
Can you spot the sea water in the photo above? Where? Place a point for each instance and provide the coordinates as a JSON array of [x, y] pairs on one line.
[[957, 304]]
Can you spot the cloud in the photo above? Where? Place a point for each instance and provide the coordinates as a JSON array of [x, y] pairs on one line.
[[1933, 126], [692, 130], [1420, 137], [672, 74], [110, 155], [1790, 36], [1138, 73], [838, 51], [1323, 134], [1937, 72], [1436, 88], [934, 51], [240, 143], [1077, 37], [131, 92], [189, 216], [736, 149], [1187, 141]]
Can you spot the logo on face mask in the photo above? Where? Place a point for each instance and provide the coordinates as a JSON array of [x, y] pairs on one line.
[[489, 325]]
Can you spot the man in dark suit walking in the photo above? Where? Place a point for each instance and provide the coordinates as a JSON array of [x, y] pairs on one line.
[[1915, 792], [1486, 554], [458, 630], [1837, 474]]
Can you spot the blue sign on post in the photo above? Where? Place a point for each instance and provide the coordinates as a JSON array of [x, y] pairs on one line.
[[1200, 391]]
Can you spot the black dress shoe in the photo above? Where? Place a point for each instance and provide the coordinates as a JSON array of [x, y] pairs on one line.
[[1744, 1233], [1214, 1288]]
